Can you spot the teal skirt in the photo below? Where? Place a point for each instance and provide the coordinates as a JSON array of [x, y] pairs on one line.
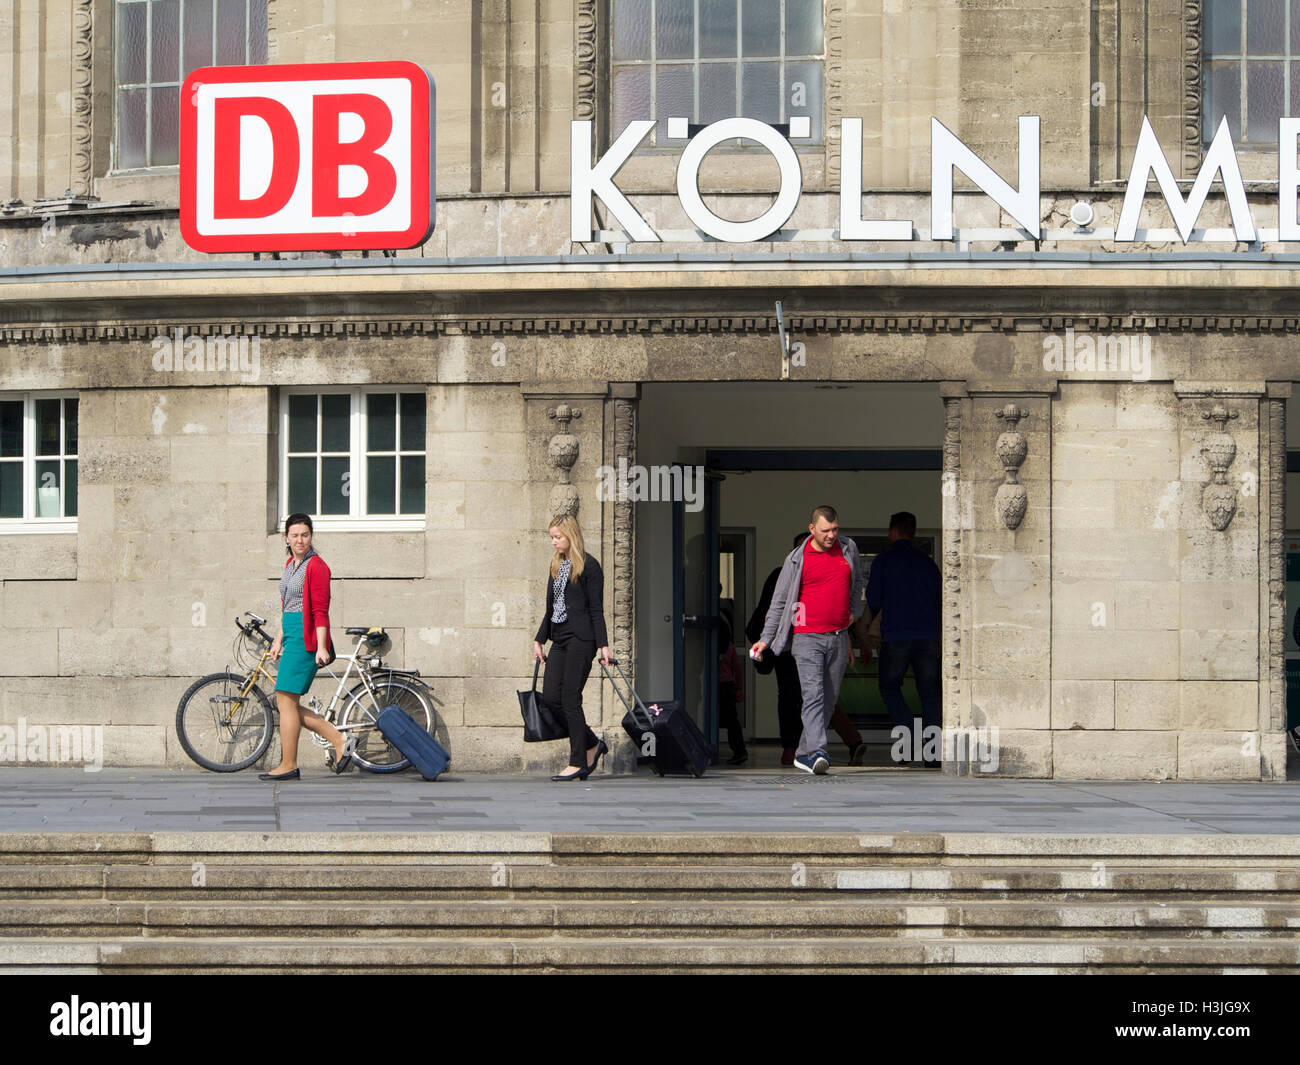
[[297, 664]]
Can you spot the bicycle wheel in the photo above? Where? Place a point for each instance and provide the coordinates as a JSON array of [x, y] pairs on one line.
[[218, 729], [360, 711]]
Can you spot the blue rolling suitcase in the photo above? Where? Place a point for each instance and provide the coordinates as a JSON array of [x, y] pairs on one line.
[[425, 753], [662, 731]]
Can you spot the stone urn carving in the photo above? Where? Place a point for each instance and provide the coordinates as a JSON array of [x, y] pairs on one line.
[[563, 452], [1219, 499], [1012, 500]]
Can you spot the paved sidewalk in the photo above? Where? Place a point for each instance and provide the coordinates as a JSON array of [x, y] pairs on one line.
[[848, 800]]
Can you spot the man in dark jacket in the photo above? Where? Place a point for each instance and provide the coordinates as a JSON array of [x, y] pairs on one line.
[[905, 584]]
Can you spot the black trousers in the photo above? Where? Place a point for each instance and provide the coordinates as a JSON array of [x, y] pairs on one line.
[[567, 667], [728, 718], [789, 700]]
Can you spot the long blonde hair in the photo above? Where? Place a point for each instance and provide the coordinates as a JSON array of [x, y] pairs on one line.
[[567, 524]]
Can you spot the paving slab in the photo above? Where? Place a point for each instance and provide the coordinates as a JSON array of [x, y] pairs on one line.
[[848, 800]]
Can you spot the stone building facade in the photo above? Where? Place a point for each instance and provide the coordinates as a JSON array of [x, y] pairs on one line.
[[1111, 540]]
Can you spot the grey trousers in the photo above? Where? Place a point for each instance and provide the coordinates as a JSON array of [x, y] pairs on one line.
[[822, 659]]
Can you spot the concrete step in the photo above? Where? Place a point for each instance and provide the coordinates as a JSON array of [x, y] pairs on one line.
[[222, 878], [634, 955], [649, 919]]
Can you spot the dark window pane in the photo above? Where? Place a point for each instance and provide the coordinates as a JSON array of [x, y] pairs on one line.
[[70, 408], [302, 486], [257, 32], [336, 417], [70, 489], [302, 426], [231, 32], [381, 485], [1263, 101], [165, 120], [1222, 97], [674, 97], [11, 428], [132, 43], [803, 94], [413, 421], [761, 91], [631, 96], [412, 484], [198, 34], [717, 91], [47, 427], [631, 20], [131, 152], [717, 29], [1265, 27], [760, 27], [1223, 27], [803, 27], [11, 489], [335, 485], [47, 489], [381, 422], [165, 41], [674, 29]]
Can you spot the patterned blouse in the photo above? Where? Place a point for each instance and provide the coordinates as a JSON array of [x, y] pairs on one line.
[[560, 612], [291, 583]]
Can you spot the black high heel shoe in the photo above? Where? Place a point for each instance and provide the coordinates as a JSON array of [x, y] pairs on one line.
[[581, 774], [600, 749]]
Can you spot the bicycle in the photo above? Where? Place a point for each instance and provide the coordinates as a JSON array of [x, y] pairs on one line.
[[224, 720]]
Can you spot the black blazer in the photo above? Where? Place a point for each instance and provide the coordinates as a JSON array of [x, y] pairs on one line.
[[584, 603]]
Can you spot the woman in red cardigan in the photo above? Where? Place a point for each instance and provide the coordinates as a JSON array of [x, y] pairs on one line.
[[302, 647]]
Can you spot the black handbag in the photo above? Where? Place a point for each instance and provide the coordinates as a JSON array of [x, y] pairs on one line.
[[541, 723]]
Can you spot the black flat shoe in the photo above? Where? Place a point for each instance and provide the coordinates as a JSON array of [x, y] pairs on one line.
[[581, 774], [293, 774], [600, 749], [345, 761]]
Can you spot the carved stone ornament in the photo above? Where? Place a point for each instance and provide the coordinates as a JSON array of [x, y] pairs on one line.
[[1012, 499], [563, 452], [1219, 500]]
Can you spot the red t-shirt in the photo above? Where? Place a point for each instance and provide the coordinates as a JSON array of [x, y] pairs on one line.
[[824, 592]]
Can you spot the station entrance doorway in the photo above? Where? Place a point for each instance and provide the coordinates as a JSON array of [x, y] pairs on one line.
[[754, 459]]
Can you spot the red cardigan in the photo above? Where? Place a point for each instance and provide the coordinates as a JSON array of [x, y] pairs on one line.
[[315, 602]]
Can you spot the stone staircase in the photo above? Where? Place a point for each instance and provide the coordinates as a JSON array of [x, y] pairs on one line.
[[481, 902]]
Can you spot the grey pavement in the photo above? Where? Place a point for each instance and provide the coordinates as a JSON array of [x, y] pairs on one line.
[[848, 800]]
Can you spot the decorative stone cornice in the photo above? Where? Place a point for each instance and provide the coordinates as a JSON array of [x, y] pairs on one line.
[[834, 38], [731, 325], [1193, 50], [586, 58]]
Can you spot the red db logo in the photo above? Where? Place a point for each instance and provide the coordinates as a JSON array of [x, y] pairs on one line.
[[299, 158]]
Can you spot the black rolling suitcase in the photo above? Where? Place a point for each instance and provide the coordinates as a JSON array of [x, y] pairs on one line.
[[662, 731], [426, 754]]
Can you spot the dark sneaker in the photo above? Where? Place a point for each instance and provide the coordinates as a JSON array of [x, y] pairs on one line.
[[808, 763], [857, 751], [1295, 736], [820, 763]]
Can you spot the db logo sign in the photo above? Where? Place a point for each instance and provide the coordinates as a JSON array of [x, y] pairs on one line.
[[299, 158]]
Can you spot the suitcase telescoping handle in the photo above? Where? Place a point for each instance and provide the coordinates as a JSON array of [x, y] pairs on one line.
[[636, 706]]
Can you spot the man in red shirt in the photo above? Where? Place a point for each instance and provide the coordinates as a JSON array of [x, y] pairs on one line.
[[817, 597]]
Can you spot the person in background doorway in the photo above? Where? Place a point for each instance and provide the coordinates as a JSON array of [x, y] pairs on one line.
[[905, 584], [817, 597], [731, 692]]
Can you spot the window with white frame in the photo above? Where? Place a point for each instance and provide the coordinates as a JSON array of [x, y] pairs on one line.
[[712, 59], [354, 454], [38, 461], [1252, 67], [157, 44]]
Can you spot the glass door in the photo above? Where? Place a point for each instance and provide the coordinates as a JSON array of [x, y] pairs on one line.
[[695, 604]]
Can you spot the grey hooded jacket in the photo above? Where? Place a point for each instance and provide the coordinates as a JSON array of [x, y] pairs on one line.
[[780, 615]]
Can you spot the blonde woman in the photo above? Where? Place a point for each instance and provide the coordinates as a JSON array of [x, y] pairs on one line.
[[575, 624]]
